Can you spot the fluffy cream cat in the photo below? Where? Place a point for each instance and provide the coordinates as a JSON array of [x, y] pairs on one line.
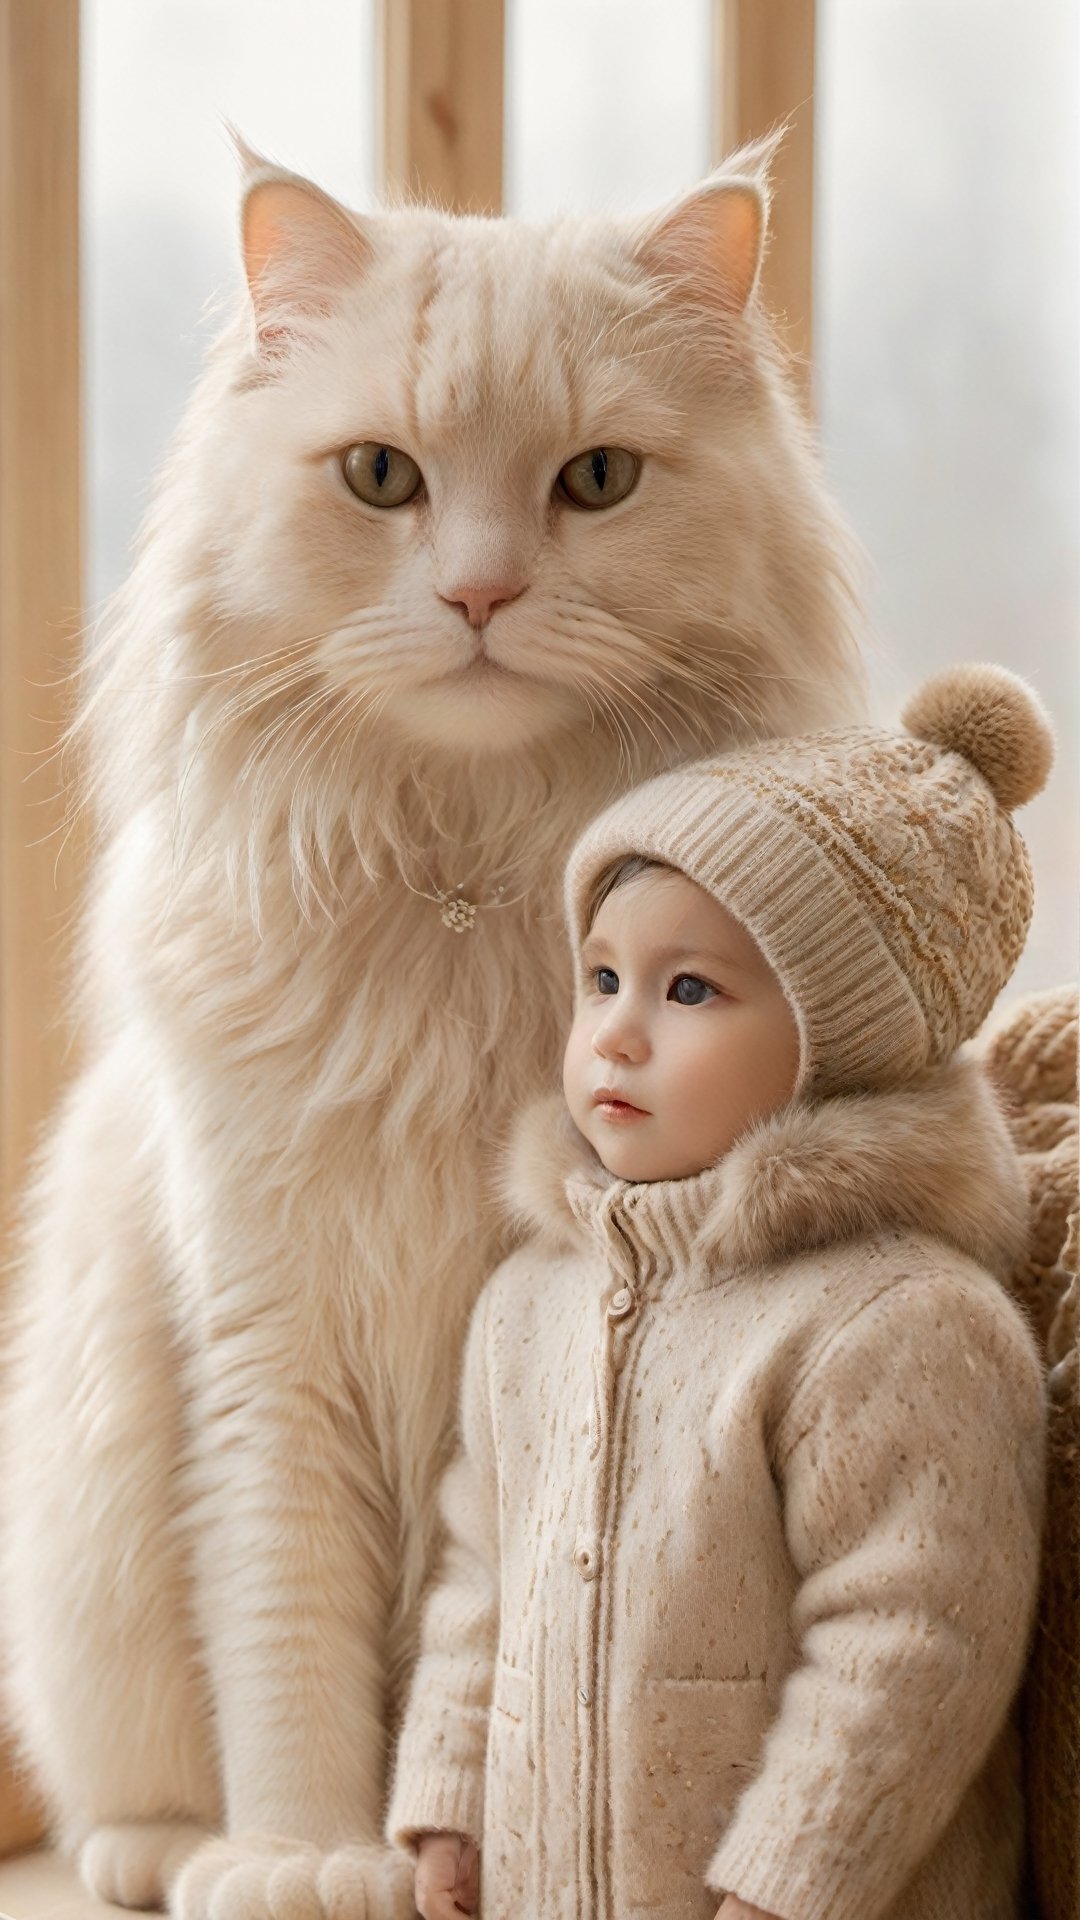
[[470, 523]]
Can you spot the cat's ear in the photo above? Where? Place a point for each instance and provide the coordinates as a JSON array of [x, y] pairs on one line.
[[300, 247], [709, 244]]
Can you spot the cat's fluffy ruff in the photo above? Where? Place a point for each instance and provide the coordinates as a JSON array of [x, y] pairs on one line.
[[262, 1216]]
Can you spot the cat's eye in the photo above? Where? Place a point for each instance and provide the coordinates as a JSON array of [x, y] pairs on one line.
[[600, 478], [383, 476]]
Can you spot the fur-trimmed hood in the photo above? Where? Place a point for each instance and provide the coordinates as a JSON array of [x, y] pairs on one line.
[[933, 1157]]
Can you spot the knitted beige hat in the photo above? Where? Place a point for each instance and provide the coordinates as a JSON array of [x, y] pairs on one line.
[[880, 873]]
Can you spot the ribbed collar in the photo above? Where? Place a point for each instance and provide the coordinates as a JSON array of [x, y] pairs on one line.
[[934, 1157], [651, 1233]]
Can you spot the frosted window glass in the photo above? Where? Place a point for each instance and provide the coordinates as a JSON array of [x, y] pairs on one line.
[[945, 331], [159, 212], [607, 102]]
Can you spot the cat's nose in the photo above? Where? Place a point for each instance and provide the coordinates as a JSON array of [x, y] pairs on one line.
[[478, 603]]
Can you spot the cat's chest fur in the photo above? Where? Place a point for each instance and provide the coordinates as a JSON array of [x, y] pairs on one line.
[[320, 1025]]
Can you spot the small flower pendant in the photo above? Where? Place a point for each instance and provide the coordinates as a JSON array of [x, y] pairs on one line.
[[458, 914]]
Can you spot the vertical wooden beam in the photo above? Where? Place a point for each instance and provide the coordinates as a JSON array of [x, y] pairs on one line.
[[40, 539], [40, 578], [763, 74], [440, 102]]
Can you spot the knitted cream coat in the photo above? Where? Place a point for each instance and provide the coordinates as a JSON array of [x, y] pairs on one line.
[[743, 1532]]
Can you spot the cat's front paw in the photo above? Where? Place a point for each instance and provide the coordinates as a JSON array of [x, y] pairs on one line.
[[133, 1863], [258, 1876]]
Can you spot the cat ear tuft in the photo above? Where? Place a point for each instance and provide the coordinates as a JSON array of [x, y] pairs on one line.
[[299, 246], [250, 161], [710, 243]]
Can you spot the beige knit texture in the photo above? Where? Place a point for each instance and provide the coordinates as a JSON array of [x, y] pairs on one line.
[[742, 1542], [993, 719], [879, 872], [1032, 1055]]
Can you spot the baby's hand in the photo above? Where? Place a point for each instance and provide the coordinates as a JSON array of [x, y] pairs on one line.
[[736, 1909], [447, 1876]]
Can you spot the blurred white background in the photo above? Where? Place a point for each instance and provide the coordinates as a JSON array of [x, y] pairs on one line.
[[946, 302], [160, 78], [947, 321]]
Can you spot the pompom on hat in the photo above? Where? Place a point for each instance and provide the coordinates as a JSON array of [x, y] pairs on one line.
[[879, 872], [990, 717]]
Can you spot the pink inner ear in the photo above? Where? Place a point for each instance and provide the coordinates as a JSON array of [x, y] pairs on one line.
[[739, 243], [264, 235], [712, 243], [299, 241]]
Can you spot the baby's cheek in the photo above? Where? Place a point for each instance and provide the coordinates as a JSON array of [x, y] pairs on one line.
[[702, 1105], [575, 1086]]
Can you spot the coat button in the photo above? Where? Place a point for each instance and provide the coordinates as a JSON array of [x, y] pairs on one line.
[[583, 1695], [587, 1558], [621, 1304]]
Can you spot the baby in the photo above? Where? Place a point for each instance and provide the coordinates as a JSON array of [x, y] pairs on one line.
[[743, 1529]]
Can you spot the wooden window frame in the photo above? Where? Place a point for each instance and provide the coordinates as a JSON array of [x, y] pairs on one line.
[[40, 587], [763, 77], [40, 542]]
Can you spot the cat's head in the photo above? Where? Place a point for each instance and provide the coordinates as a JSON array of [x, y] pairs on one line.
[[481, 481]]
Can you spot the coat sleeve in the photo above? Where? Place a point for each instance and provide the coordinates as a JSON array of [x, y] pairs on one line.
[[911, 1467], [439, 1767]]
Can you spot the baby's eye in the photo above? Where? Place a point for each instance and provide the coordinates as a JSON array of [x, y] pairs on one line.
[[607, 980], [689, 991]]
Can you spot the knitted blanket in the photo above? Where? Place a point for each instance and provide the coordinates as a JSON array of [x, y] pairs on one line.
[[1032, 1056]]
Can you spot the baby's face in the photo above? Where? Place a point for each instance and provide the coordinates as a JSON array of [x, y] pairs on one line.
[[682, 1036]]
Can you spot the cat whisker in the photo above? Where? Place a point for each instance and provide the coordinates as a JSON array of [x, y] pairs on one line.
[[252, 664], [721, 633], [594, 669], [705, 673], [756, 651], [306, 830], [294, 714], [354, 711], [240, 707], [713, 675], [596, 684], [619, 683], [624, 740], [343, 718], [634, 689]]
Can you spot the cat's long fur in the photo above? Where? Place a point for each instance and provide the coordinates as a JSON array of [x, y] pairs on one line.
[[264, 1211]]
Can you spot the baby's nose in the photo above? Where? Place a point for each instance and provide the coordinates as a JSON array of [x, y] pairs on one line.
[[619, 1038]]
